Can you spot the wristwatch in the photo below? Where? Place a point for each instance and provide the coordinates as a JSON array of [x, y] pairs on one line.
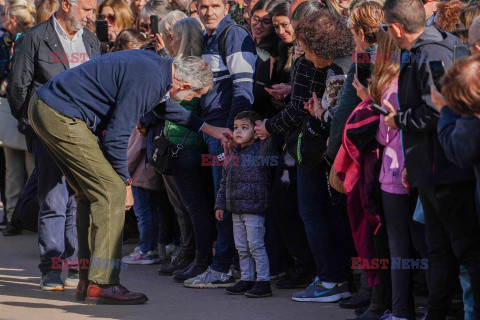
[[128, 182]]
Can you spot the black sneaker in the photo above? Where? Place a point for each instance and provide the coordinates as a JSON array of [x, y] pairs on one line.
[[260, 289], [182, 261], [240, 287], [361, 299], [12, 230], [52, 281], [298, 277]]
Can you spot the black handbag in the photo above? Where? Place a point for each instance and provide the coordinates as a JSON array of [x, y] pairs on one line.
[[164, 153]]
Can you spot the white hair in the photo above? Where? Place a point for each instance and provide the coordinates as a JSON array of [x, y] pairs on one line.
[[195, 71]]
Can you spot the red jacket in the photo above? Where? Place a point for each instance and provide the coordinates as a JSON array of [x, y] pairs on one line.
[[356, 164]]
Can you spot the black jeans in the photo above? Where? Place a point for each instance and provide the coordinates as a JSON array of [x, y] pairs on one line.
[[452, 234], [402, 234], [194, 193], [285, 211], [324, 214]]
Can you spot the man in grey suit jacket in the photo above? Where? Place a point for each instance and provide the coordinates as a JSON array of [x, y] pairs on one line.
[[55, 45]]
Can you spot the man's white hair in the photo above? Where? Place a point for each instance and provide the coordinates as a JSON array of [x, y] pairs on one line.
[[195, 71]]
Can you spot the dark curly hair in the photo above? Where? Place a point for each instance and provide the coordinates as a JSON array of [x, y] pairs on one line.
[[326, 34]]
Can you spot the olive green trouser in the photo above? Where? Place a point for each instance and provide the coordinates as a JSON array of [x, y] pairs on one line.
[[100, 192]]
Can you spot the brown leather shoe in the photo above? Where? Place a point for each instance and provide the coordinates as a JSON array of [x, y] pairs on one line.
[[112, 294], [81, 293]]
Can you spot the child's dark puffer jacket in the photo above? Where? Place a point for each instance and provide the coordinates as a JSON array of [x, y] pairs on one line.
[[246, 184]]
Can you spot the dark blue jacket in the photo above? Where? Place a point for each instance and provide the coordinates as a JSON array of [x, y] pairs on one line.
[[110, 93], [246, 184], [460, 137], [232, 90], [425, 159]]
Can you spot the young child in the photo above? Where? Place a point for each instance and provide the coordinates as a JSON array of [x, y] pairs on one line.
[[245, 194]]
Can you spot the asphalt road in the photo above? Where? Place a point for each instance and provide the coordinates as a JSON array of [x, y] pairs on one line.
[[21, 298]]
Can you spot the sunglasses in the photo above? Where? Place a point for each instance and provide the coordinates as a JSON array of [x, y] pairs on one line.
[[110, 18], [144, 26], [384, 26]]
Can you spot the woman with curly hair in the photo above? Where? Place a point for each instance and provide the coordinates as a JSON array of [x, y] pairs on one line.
[[448, 14], [327, 44]]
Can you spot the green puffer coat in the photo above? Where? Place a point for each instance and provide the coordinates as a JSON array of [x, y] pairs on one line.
[[175, 133]]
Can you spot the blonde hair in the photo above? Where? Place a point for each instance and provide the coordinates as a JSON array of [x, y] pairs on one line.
[[386, 68], [123, 15], [23, 11], [190, 31], [474, 32], [45, 9]]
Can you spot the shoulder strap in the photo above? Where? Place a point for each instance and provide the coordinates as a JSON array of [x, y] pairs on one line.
[[223, 39]]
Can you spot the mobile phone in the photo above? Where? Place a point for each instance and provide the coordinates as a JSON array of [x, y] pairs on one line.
[[460, 51], [363, 67], [101, 29], [379, 109], [262, 84], [154, 24], [437, 70]]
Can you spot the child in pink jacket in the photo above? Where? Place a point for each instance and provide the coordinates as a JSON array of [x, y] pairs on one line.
[[398, 208]]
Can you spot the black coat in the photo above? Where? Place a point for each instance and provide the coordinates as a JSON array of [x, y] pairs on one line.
[[37, 58], [425, 159]]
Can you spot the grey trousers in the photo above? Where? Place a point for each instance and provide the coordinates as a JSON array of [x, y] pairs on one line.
[[19, 165], [249, 234]]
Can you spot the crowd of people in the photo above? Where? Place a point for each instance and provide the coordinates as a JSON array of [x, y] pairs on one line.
[[306, 142]]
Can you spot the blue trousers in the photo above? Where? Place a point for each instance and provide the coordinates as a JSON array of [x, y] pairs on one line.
[[225, 246], [57, 231], [147, 210]]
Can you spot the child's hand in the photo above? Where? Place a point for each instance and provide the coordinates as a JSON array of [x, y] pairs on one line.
[[219, 215], [140, 129]]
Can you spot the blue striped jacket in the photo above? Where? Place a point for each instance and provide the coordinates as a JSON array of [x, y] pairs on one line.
[[232, 90]]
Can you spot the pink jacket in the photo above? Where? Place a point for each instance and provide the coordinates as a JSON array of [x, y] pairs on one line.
[[392, 160], [142, 174]]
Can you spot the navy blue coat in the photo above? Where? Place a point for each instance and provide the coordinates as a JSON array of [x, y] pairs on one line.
[[460, 137], [425, 159]]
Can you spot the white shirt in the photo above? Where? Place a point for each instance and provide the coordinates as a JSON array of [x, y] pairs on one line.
[[75, 51]]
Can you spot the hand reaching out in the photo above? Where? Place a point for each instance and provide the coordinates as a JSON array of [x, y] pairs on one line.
[[261, 131]]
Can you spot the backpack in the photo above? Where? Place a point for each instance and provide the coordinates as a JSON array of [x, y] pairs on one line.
[[223, 39]]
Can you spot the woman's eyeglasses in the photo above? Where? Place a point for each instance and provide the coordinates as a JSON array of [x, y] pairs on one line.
[[110, 18], [266, 23]]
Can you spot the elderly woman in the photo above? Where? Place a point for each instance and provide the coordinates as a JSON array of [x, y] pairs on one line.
[[118, 15], [327, 44]]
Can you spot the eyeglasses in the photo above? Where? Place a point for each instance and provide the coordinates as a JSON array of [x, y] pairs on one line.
[[192, 11], [384, 26], [110, 18], [265, 22]]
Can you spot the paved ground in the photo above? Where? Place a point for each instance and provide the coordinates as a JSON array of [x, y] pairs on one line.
[[20, 297]]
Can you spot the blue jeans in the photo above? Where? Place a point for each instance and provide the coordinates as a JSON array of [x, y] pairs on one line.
[[225, 246], [57, 231], [324, 218], [249, 233], [193, 193], [147, 210]]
